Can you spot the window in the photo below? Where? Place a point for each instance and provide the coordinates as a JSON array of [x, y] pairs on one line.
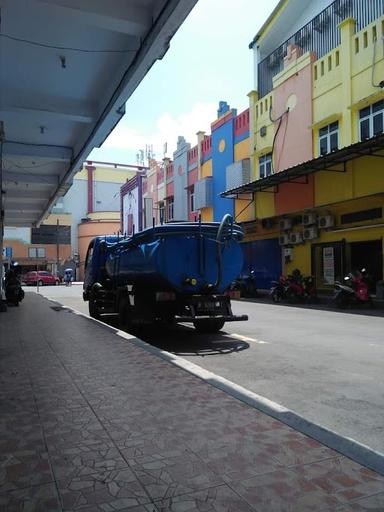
[[329, 138], [371, 120], [192, 199], [265, 165], [170, 209], [36, 252]]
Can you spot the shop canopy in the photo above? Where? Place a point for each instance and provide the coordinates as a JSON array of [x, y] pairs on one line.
[[331, 162], [67, 69]]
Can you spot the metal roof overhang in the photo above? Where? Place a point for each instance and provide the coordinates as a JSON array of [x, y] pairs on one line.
[[67, 67], [369, 147]]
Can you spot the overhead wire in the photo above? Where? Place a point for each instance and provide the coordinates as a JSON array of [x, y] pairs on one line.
[[66, 48]]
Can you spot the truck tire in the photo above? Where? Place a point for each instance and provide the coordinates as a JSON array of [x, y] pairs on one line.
[[209, 325], [93, 309]]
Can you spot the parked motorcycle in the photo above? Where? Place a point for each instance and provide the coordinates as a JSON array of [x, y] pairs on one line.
[[294, 288], [278, 291], [354, 290], [12, 285], [246, 284]]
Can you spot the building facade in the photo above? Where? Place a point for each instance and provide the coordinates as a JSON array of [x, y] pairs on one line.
[[317, 121], [90, 207]]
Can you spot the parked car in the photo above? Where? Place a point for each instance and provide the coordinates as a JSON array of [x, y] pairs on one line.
[[41, 277]]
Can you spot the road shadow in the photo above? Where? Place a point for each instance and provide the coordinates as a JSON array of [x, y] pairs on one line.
[[183, 340]]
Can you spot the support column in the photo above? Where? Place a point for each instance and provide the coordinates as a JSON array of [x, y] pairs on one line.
[[90, 170]]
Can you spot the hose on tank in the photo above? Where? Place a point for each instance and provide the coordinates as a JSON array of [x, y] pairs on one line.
[[227, 219]]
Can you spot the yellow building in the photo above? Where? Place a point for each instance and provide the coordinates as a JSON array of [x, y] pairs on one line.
[[317, 121]]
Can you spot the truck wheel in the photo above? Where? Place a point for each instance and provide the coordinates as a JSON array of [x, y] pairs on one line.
[[93, 309], [209, 325]]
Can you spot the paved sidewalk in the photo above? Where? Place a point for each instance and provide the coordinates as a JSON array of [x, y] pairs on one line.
[[91, 422]]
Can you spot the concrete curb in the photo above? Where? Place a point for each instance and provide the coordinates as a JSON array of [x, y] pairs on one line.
[[349, 447]]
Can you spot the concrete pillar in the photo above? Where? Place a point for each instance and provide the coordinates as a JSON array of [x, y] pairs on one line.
[[90, 170]]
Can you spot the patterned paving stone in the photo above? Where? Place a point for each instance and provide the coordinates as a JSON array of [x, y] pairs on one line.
[[238, 461], [215, 499], [167, 477], [24, 468], [40, 498], [289, 447], [373, 503], [80, 433], [120, 428], [106, 490], [321, 486], [72, 461]]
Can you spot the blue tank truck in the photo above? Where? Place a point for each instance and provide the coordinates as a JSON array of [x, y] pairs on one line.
[[175, 272]]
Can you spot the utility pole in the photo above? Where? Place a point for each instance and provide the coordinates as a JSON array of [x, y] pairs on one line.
[[3, 305]]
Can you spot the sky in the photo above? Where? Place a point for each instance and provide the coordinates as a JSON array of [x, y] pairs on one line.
[[208, 61]]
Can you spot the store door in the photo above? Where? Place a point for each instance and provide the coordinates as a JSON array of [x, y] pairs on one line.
[[367, 255]]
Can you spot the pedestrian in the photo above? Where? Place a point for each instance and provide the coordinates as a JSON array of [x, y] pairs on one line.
[[68, 277]]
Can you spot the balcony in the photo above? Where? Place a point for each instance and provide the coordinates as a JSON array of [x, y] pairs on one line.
[[320, 35]]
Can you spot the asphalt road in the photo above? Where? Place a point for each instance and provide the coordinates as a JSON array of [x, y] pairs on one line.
[[326, 366]]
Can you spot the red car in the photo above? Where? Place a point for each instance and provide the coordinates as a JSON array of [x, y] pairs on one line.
[[42, 277]]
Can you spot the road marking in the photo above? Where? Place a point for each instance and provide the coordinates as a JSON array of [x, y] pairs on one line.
[[246, 338]]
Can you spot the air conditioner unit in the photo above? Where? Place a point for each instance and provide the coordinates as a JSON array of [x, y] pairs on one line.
[[285, 224], [295, 238], [284, 239], [308, 219], [310, 233], [268, 223], [326, 221]]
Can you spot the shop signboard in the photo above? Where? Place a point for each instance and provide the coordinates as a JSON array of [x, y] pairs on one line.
[[328, 265]]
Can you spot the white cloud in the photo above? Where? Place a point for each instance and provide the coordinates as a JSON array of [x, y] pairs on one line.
[[167, 128]]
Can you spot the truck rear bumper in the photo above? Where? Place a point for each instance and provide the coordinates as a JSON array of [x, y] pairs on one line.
[[226, 318]]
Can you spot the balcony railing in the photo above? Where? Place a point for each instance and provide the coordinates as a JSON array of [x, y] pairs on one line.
[[320, 35]]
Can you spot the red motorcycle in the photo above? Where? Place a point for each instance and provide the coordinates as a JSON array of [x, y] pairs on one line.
[[354, 291], [301, 288], [294, 288]]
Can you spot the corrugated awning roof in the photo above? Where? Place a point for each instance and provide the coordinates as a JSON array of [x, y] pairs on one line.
[[323, 163]]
